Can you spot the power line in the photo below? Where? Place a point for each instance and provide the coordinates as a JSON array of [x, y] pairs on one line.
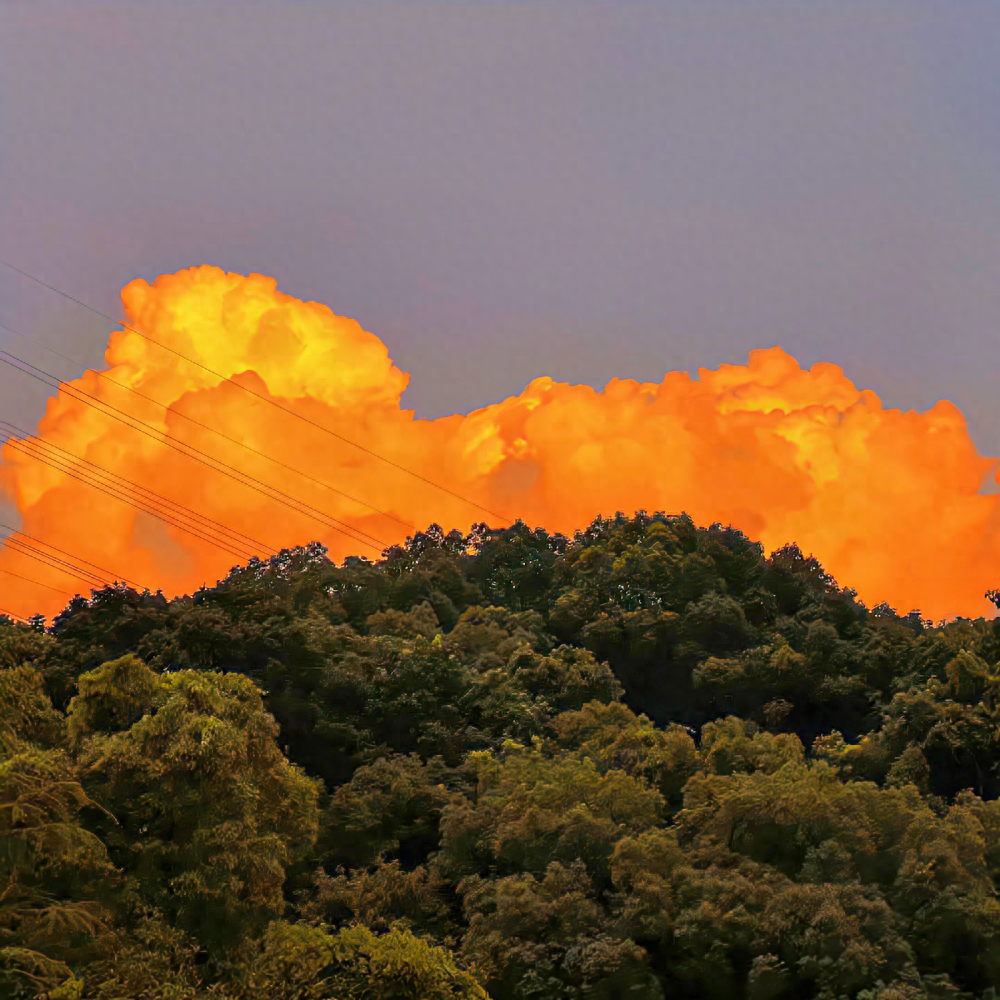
[[252, 392], [169, 511], [190, 451], [213, 430], [46, 559], [272, 493], [23, 534], [21, 547], [242, 554], [39, 556], [103, 577], [53, 560], [28, 579], [172, 506], [53, 463]]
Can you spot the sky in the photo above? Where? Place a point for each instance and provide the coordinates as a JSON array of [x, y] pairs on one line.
[[505, 190]]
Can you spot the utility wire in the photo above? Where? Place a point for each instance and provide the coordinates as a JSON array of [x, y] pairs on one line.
[[39, 555], [55, 464], [28, 579], [103, 577], [55, 548], [253, 392], [300, 506], [53, 560], [107, 574], [25, 438], [272, 493], [209, 427], [170, 512], [34, 553]]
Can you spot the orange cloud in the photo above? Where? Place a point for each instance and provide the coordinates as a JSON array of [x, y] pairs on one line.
[[887, 500]]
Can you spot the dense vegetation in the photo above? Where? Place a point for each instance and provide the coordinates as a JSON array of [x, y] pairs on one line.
[[644, 762]]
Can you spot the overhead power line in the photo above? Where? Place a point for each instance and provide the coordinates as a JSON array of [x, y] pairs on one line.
[[23, 534], [59, 457], [28, 579], [131, 494], [273, 493], [23, 548], [77, 565], [39, 555], [210, 428], [253, 392]]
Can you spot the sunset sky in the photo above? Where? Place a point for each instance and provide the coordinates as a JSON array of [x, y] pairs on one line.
[[584, 190], [505, 190]]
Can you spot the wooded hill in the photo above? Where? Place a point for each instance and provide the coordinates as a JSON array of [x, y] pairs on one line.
[[643, 762]]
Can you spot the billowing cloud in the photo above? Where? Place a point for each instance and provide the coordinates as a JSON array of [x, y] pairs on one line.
[[888, 500]]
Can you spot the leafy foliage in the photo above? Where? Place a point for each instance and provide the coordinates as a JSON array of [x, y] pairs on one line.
[[645, 761], [207, 809]]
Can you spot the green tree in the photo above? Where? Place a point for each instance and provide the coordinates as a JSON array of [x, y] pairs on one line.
[[207, 809], [531, 809], [55, 875], [549, 937], [615, 738], [390, 808], [298, 962]]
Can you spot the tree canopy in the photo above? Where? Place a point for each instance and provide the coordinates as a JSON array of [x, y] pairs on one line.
[[647, 761]]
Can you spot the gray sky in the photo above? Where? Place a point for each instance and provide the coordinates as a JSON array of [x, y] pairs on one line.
[[503, 190]]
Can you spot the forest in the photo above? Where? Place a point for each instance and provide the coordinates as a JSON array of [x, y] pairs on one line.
[[646, 761]]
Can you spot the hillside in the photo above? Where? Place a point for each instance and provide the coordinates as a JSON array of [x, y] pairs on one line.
[[642, 762]]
